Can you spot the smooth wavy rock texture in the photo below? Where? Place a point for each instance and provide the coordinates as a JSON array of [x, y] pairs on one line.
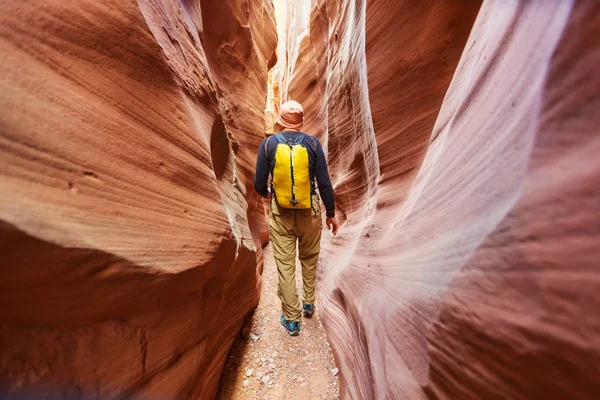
[[462, 139], [128, 137], [466, 267]]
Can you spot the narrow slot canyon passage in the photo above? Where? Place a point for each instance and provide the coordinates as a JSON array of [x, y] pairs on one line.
[[264, 361], [462, 142]]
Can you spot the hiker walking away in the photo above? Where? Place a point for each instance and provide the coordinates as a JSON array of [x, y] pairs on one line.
[[295, 160]]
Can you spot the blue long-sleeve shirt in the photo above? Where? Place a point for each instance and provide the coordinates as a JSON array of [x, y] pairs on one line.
[[317, 167]]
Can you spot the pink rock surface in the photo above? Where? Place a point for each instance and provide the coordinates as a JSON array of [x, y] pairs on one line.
[[467, 263], [129, 132], [520, 317]]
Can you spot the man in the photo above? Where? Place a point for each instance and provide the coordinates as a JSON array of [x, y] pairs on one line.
[[295, 160]]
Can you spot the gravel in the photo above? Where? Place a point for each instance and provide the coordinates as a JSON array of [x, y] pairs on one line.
[[280, 364]]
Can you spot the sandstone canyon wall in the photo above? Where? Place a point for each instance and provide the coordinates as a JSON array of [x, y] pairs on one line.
[[466, 267], [130, 233], [462, 140]]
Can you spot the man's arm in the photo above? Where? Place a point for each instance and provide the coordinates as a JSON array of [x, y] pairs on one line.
[[261, 175], [323, 182]]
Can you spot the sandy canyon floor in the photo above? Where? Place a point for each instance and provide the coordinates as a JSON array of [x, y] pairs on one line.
[[266, 363]]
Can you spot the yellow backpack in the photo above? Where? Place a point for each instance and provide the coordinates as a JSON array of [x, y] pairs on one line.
[[291, 176]]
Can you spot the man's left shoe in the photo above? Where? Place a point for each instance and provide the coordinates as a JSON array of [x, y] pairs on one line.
[[292, 327], [308, 309]]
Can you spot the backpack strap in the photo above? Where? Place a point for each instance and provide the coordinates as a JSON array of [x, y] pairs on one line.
[[297, 140], [268, 140], [313, 188], [279, 137], [300, 138]]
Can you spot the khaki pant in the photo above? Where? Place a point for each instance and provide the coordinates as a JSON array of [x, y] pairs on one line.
[[288, 227]]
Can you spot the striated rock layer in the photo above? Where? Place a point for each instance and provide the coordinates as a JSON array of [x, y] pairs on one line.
[[466, 267], [129, 233]]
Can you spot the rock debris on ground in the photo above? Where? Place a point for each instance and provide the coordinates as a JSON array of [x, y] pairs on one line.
[[266, 363]]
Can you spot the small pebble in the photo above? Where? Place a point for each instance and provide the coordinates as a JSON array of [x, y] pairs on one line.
[[265, 379], [274, 354], [335, 371], [246, 382], [249, 372], [254, 337]]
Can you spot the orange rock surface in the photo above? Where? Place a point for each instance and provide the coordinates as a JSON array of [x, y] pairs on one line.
[[129, 133]]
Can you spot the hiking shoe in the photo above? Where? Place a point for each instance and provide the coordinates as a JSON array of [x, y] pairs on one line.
[[292, 327], [309, 309]]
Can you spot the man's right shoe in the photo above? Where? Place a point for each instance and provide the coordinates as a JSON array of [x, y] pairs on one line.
[[308, 309], [292, 327]]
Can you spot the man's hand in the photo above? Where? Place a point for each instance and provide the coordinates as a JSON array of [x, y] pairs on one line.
[[332, 225]]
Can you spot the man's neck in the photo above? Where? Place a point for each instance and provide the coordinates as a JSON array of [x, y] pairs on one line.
[[290, 130]]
